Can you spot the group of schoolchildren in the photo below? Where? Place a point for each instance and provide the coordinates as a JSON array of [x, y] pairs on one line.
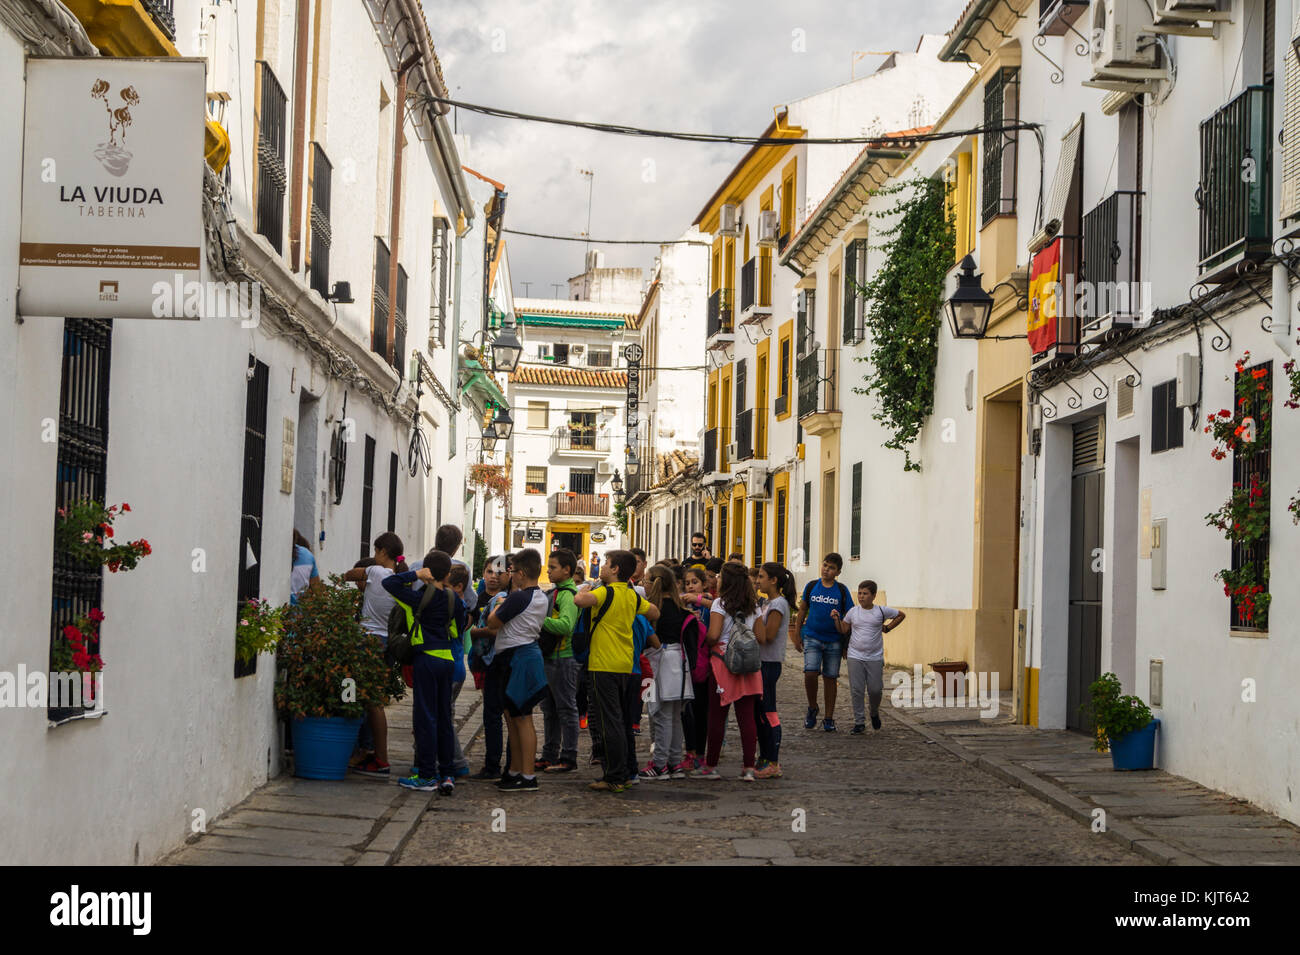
[[597, 654]]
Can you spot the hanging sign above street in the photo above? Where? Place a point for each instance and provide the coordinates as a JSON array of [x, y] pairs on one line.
[[112, 214]]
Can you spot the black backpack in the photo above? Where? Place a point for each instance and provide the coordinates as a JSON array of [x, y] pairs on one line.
[[401, 628], [586, 624]]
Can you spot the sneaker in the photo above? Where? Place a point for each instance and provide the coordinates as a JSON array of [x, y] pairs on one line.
[[486, 774], [509, 782], [653, 772], [374, 768], [601, 786], [810, 720], [542, 765], [770, 771], [563, 766], [522, 784], [858, 729], [681, 770], [415, 770], [447, 786], [636, 729], [419, 783], [582, 721], [875, 722], [746, 775], [828, 726], [710, 773], [461, 773]]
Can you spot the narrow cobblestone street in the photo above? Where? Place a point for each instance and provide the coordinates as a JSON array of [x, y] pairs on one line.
[[885, 798]]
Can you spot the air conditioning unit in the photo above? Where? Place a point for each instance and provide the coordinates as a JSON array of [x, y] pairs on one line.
[[769, 222], [1191, 11], [1122, 38], [604, 467], [577, 349], [756, 484], [729, 220], [733, 451]]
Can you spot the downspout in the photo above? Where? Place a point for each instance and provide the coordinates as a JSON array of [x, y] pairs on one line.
[[395, 219], [299, 133]]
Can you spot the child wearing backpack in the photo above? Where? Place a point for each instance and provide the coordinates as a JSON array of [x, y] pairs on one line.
[[560, 708], [695, 717], [671, 684], [732, 619], [434, 613], [375, 608], [819, 637], [777, 585]]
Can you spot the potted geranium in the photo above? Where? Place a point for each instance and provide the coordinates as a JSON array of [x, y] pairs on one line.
[[258, 629], [85, 532], [1123, 724], [70, 653], [330, 670]]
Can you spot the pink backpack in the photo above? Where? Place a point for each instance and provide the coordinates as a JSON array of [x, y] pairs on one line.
[[693, 629]]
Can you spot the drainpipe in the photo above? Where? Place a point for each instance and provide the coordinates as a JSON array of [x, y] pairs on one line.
[[299, 133], [395, 220]]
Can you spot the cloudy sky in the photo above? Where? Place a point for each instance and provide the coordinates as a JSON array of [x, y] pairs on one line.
[[673, 64]]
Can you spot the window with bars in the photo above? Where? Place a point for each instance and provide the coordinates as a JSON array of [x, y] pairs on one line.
[[1252, 464], [758, 531], [535, 480], [250, 530], [392, 491], [399, 326], [367, 496], [855, 517], [598, 357], [438, 283], [272, 175], [779, 517], [1166, 418], [379, 302], [318, 251], [786, 365], [722, 526], [1001, 106], [805, 315], [80, 471], [855, 303]]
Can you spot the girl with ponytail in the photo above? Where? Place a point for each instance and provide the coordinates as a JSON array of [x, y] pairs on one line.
[[777, 585]]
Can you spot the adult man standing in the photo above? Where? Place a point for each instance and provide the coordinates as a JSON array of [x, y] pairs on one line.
[[819, 637], [699, 556]]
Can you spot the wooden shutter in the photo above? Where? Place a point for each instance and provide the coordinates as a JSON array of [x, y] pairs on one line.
[[1291, 128]]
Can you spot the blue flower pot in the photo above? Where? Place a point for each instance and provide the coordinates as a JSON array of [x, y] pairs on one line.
[[1135, 750], [322, 746]]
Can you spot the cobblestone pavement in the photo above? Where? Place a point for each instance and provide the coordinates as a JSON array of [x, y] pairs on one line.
[[888, 797]]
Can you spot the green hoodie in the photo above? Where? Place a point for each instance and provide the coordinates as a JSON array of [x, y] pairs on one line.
[[562, 619]]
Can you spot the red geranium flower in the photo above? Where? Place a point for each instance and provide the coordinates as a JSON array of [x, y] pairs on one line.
[[125, 508], [96, 614]]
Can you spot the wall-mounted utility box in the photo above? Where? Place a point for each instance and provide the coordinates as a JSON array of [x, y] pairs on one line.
[[1159, 552], [1156, 694], [1187, 392]]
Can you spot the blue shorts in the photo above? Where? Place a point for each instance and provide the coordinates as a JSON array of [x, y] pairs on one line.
[[821, 656]]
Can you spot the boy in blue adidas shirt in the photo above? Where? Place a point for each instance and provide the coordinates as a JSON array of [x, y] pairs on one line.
[[819, 637]]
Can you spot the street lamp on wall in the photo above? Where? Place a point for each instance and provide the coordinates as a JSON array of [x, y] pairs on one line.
[[504, 424], [970, 306], [506, 350], [617, 485]]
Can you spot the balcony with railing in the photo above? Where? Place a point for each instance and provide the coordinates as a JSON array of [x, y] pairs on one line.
[[819, 408], [1112, 264], [755, 298], [162, 14], [580, 441], [1235, 189], [572, 504], [720, 330], [1057, 17]]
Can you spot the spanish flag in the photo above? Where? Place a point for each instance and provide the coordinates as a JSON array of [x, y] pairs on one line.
[[1044, 284]]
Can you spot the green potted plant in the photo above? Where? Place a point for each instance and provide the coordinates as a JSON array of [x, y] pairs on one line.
[[257, 629], [1123, 724], [330, 670]]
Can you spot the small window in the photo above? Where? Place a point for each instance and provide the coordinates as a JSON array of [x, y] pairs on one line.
[[544, 352], [535, 480], [561, 354], [600, 357], [1166, 418], [538, 415]]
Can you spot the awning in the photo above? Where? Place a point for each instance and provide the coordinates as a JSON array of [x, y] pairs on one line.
[[479, 384], [569, 321], [1067, 167]]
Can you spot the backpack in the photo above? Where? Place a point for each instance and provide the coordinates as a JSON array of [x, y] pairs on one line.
[[694, 635], [586, 624], [743, 654], [401, 628], [548, 643]]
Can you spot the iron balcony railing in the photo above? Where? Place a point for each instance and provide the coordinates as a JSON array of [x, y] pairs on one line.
[[1235, 189], [745, 435], [817, 372], [710, 462], [1112, 263], [720, 312], [565, 438], [162, 14], [748, 283], [572, 504]]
